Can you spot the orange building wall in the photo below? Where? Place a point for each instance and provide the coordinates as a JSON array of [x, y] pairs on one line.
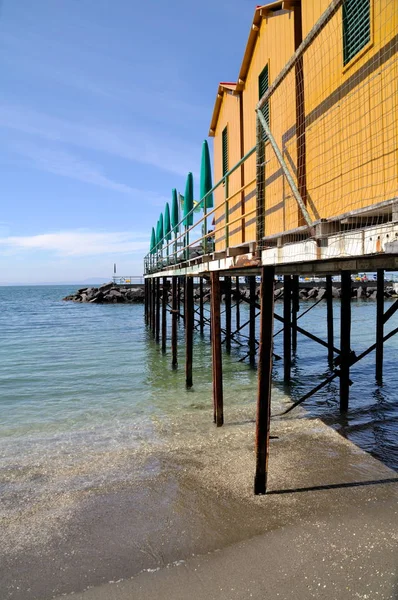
[[229, 116], [351, 114], [274, 46]]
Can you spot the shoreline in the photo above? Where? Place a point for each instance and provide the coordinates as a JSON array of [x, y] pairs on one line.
[[191, 495]]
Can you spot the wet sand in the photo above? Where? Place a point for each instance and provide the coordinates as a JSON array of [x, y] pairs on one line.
[[183, 523]]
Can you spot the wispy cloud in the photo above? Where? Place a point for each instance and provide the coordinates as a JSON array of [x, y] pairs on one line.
[[68, 165], [170, 155], [65, 164], [77, 243]]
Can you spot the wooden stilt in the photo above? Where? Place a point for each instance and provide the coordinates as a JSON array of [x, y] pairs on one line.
[[180, 281], [148, 301], [216, 349], [287, 333], [264, 379], [164, 313], [252, 316], [157, 324], [345, 339], [237, 316], [329, 310], [295, 310], [189, 321], [174, 317], [201, 311], [379, 325], [153, 310], [227, 284]]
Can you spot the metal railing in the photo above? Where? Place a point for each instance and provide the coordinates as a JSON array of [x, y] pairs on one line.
[[178, 250], [128, 279]]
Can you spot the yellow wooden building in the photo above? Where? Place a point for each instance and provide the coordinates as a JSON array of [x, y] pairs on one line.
[[333, 117]]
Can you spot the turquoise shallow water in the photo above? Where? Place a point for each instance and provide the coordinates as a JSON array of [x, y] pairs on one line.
[[74, 377]]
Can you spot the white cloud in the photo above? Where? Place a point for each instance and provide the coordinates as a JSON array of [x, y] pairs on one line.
[[68, 165], [174, 156], [77, 243]]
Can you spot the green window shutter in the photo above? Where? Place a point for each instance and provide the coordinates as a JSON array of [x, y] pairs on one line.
[[356, 27], [262, 88], [225, 151]]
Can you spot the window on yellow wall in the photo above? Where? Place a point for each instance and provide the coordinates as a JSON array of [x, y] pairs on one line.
[[356, 27], [262, 88], [225, 151]]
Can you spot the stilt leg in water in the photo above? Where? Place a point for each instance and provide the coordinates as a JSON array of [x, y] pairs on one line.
[[216, 348], [264, 380]]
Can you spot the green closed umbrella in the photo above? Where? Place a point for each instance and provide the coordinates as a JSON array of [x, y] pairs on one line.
[[167, 222], [205, 176], [188, 201], [153, 241], [161, 231], [174, 210]]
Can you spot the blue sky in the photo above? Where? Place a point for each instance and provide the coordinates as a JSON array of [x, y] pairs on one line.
[[103, 109]]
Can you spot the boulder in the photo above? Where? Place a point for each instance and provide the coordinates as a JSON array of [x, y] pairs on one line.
[[321, 293], [115, 294], [313, 293], [360, 292], [335, 292], [105, 288]]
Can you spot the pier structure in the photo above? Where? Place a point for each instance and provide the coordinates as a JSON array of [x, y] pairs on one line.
[[306, 163]]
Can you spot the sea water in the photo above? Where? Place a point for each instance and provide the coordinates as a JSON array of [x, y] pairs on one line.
[[78, 379]]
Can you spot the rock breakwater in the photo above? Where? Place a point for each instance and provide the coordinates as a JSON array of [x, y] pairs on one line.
[[109, 293]]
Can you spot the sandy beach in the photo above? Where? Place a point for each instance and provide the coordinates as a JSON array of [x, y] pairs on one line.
[[182, 521]]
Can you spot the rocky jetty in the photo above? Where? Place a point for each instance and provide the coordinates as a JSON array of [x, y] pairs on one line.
[[109, 293]]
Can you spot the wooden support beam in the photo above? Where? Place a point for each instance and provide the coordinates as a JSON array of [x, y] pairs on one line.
[[252, 321], [153, 311], [164, 313], [149, 300], [379, 326], [264, 379], [180, 281], [336, 373], [157, 323], [174, 317], [216, 349], [146, 300], [329, 318], [201, 312], [345, 339], [237, 316], [287, 331], [227, 288], [311, 336], [188, 330], [295, 310]]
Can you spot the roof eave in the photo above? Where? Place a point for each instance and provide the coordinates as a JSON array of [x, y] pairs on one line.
[[222, 88], [260, 13]]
